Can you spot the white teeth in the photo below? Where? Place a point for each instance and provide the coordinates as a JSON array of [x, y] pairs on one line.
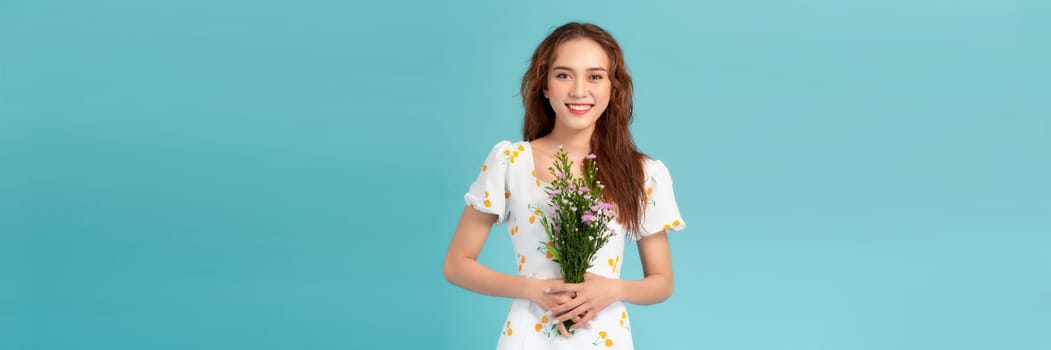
[[579, 107]]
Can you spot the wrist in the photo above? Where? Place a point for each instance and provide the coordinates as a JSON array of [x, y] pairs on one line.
[[620, 290], [527, 288]]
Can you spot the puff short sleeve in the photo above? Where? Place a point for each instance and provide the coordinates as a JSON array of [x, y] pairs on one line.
[[487, 193], [662, 211]]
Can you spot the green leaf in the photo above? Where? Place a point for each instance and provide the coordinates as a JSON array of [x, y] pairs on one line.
[[553, 251]]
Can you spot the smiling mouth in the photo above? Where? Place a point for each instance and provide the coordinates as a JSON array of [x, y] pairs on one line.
[[579, 108]]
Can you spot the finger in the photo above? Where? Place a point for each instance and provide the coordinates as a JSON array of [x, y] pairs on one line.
[[588, 276], [572, 313], [559, 300], [578, 321], [560, 294], [552, 304], [552, 301], [584, 321], [565, 307], [562, 329]]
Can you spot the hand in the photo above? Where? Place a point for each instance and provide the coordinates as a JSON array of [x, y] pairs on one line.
[[595, 294], [542, 293]]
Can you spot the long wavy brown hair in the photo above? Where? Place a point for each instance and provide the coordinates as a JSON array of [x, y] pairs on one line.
[[619, 159]]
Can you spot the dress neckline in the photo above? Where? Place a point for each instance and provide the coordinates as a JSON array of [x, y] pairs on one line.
[[532, 164]]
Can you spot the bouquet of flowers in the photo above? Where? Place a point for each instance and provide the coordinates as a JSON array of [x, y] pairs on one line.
[[579, 226]]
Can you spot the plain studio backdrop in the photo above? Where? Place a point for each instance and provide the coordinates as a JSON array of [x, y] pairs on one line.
[[287, 175]]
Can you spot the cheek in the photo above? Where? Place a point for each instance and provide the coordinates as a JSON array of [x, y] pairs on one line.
[[553, 90], [607, 95]]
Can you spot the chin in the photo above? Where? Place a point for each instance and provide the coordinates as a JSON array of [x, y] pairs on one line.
[[577, 123]]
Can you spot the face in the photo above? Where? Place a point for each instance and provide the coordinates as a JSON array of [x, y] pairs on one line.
[[578, 85]]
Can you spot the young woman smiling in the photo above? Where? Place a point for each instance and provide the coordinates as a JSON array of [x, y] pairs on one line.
[[578, 96]]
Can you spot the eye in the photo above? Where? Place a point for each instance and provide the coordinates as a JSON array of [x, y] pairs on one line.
[[561, 75], [596, 77]]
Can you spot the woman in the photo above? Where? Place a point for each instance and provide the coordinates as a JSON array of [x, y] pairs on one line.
[[578, 96]]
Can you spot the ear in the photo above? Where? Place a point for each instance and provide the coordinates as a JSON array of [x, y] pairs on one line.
[[545, 93]]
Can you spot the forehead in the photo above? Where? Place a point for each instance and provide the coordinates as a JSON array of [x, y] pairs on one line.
[[581, 53]]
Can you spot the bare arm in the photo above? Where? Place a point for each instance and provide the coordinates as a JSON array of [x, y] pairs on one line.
[[461, 265], [462, 268], [597, 292], [658, 283]]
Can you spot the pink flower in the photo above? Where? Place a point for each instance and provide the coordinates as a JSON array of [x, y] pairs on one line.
[[591, 156]]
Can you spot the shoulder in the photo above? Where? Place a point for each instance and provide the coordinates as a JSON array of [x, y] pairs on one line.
[[510, 146], [506, 152], [653, 168], [502, 144], [501, 147]]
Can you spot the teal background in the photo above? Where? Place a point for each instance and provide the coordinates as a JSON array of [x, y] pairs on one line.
[[262, 175]]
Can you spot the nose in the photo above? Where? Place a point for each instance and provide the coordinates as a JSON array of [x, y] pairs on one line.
[[579, 88]]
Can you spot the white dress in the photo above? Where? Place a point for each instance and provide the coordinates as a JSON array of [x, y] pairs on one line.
[[507, 186]]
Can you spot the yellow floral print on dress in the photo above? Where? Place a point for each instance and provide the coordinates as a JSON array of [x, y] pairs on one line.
[[524, 197], [603, 339], [542, 248], [624, 320], [544, 327], [512, 154], [675, 223]]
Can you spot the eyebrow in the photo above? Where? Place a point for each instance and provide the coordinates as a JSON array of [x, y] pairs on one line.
[[571, 70]]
